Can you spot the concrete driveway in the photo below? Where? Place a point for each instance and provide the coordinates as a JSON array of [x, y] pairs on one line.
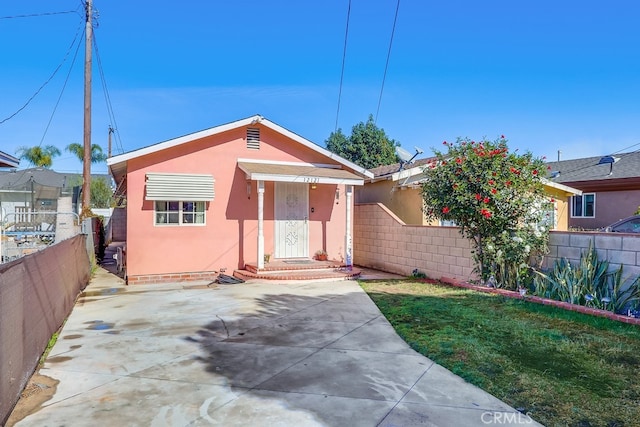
[[251, 354]]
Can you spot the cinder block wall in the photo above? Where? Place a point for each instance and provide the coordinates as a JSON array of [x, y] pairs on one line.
[[383, 241], [617, 248], [118, 225]]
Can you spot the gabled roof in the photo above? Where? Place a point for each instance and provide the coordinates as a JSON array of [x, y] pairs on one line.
[[387, 171], [8, 161], [588, 169], [41, 176], [18, 178], [413, 176], [118, 164]]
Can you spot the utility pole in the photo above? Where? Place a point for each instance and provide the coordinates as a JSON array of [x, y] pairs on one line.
[[86, 163], [109, 145]]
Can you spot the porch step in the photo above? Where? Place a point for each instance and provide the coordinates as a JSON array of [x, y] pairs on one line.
[[295, 264], [298, 270]]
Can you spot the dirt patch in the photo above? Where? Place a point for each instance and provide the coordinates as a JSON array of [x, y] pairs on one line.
[[39, 389]]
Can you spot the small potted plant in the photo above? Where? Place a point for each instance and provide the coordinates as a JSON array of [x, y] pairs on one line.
[[321, 255]]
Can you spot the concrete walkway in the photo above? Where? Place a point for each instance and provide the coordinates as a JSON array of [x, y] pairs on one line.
[[251, 354]]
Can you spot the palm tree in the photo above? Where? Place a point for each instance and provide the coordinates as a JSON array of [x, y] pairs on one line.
[[97, 155], [38, 156]]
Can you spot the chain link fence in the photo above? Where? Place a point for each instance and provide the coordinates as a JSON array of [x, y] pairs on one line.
[[25, 232]]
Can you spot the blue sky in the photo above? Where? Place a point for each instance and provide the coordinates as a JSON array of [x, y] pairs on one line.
[[549, 75]]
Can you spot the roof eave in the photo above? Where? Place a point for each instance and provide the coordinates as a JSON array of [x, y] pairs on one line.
[[256, 119]]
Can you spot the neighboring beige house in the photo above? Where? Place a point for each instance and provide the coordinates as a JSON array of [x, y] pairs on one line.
[[399, 189]]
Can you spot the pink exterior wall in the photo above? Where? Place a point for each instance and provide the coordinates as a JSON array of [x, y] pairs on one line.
[[229, 238]]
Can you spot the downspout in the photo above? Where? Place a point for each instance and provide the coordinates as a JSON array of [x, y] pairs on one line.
[[348, 241], [260, 224]]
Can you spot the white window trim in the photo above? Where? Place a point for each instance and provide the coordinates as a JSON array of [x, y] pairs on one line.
[[583, 207], [180, 222]]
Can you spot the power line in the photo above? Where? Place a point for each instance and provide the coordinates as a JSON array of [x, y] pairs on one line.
[[112, 117], [626, 148], [393, 30], [34, 15], [61, 92], [344, 55], [46, 82]]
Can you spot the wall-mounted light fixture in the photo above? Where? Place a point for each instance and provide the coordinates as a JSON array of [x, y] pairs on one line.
[[248, 189], [337, 196], [313, 186]]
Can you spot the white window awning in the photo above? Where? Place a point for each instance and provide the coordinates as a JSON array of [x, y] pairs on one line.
[[301, 173], [179, 186]]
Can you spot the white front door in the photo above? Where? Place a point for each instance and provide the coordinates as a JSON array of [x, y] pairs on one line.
[[291, 220]]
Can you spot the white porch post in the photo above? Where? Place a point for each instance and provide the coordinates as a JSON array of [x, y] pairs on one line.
[[260, 224], [348, 241]]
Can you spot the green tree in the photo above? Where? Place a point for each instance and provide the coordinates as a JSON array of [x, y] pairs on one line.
[[101, 193], [368, 146], [496, 198], [97, 155], [38, 156]]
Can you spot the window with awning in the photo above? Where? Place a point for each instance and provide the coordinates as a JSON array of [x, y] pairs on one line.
[[179, 186]]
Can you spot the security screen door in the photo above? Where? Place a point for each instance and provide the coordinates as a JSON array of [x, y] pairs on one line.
[[291, 220]]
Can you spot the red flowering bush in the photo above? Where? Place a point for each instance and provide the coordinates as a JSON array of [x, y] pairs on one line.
[[496, 198]]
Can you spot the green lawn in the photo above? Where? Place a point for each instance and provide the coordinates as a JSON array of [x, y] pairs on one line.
[[561, 367]]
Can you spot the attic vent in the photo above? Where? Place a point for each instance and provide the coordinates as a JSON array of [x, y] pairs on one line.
[[253, 138]]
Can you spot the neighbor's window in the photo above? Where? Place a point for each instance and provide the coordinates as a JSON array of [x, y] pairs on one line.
[[179, 213], [583, 206]]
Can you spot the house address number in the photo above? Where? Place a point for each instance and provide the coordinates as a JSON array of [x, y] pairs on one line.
[[312, 180]]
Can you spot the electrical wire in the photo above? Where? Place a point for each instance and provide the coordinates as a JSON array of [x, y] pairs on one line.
[[75, 56], [33, 15], [47, 81], [393, 30], [344, 55], [107, 97]]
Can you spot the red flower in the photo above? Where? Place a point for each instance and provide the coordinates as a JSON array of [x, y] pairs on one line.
[[491, 182], [494, 191], [553, 200], [486, 200], [535, 172], [502, 136], [444, 142], [478, 197], [508, 183], [455, 185], [445, 210], [485, 213]]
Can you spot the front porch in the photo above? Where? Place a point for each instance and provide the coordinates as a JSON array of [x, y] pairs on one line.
[[298, 269]]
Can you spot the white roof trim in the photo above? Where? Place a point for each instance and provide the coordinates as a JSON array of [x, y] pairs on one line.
[[257, 119], [562, 187], [286, 163], [298, 173]]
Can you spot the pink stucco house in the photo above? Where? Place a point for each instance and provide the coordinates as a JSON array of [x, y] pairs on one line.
[[229, 195]]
